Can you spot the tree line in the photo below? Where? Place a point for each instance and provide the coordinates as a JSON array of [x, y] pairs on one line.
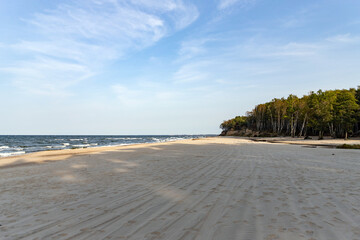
[[334, 113]]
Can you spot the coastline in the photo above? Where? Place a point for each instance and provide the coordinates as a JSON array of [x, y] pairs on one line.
[[54, 155], [15, 145], [211, 188], [61, 154]]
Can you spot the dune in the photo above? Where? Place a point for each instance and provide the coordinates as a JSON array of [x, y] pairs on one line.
[[212, 188]]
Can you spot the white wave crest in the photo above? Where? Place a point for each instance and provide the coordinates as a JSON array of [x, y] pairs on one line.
[[11, 154], [121, 138], [81, 145]]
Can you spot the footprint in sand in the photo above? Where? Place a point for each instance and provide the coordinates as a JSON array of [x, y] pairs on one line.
[[272, 237], [273, 220], [153, 235], [130, 222]]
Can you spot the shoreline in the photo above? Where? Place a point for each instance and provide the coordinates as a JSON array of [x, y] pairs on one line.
[[20, 145], [53, 155], [91, 147], [61, 154], [211, 188]]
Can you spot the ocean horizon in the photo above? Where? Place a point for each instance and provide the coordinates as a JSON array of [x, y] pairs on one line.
[[12, 145]]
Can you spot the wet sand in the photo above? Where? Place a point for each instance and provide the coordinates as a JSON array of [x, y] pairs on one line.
[[213, 188]]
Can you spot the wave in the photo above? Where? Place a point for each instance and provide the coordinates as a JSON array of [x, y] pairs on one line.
[[122, 138], [40, 143], [56, 146], [7, 148], [81, 145], [169, 139], [18, 149], [156, 139], [8, 154]]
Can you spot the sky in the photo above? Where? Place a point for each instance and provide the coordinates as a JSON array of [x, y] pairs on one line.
[[166, 67]]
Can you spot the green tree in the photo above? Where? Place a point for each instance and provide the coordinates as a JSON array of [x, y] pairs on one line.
[[292, 113], [320, 110], [345, 110], [334, 112]]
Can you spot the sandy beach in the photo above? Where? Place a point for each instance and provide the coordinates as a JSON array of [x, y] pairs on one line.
[[212, 188]]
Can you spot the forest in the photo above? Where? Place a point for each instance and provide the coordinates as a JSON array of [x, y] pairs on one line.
[[334, 113]]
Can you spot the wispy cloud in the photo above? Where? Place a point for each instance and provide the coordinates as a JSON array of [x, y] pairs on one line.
[[47, 76], [292, 49], [344, 38], [192, 72], [265, 62], [242, 61], [193, 48], [299, 18], [79, 38], [223, 4]]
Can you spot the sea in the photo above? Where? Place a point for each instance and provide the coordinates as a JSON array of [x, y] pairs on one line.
[[12, 145]]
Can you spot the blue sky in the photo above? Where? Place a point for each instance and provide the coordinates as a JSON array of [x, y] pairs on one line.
[[166, 67]]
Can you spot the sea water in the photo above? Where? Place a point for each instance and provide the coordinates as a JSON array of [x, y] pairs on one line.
[[11, 145]]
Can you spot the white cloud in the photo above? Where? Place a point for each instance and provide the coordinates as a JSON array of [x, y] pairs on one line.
[[110, 22], [180, 13], [185, 16], [88, 34]]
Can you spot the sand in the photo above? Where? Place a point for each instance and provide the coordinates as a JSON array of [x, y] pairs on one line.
[[214, 188], [327, 142]]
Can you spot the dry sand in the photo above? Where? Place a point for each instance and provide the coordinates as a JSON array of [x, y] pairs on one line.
[[214, 188]]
